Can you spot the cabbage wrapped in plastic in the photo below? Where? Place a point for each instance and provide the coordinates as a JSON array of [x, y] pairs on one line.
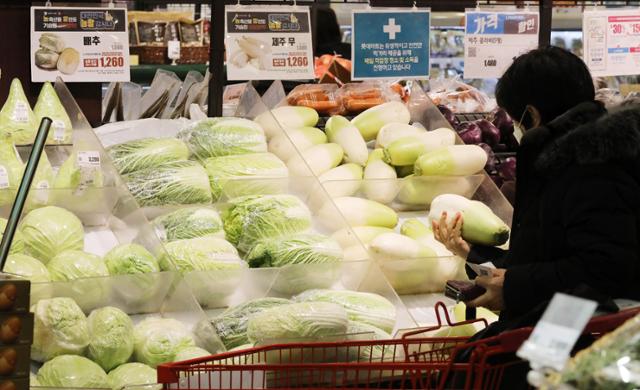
[[360, 331], [200, 254], [70, 371], [111, 342], [189, 353], [306, 320], [11, 169], [188, 222], [303, 248], [250, 219], [49, 231], [73, 264], [223, 169], [17, 245], [49, 105], [158, 340], [231, 325], [28, 267], [180, 182], [129, 259], [133, 374], [368, 308], [60, 328], [147, 153], [73, 176], [16, 117], [214, 137]]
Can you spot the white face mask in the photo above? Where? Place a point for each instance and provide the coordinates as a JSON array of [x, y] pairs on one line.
[[518, 125]]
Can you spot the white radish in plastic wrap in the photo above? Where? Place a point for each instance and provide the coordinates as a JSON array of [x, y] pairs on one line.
[[393, 131], [454, 160], [340, 131], [394, 246], [357, 212], [284, 145], [318, 158], [286, 117], [358, 234], [406, 150], [380, 182], [342, 181], [372, 120]]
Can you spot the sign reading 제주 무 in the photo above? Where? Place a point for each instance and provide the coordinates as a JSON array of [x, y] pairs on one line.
[[79, 44], [268, 43]]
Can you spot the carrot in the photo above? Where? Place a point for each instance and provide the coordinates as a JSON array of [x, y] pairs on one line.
[[357, 105]]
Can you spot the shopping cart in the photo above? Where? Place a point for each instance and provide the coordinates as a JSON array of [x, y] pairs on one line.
[[417, 360]]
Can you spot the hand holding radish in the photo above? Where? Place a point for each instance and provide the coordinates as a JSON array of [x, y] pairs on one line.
[[450, 234]]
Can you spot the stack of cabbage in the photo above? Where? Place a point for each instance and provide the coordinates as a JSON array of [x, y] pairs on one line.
[[105, 349], [49, 244], [310, 316], [195, 167]]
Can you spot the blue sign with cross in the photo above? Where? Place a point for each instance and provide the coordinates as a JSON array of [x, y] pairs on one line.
[[390, 44]]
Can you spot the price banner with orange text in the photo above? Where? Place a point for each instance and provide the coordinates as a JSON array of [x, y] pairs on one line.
[[268, 43], [79, 44], [612, 41]]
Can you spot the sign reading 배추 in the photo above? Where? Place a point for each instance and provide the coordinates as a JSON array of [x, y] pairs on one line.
[[612, 41], [268, 43], [79, 44], [390, 43], [494, 38]]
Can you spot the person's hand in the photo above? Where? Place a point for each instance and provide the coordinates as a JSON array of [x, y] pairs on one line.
[[450, 234], [493, 298]]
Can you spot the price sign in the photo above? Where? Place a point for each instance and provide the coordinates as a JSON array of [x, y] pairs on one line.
[[612, 41], [554, 336], [79, 44], [493, 39], [390, 44], [268, 43]]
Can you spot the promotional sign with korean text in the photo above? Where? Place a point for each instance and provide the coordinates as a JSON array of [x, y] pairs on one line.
[[493, 39], [390, 44], [79, 44], [268, 43], [612, 41]]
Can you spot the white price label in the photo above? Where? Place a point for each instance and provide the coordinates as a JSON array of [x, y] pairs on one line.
[[556, 333], [20, 112], [89, 158], [58, 130], [4, 177], [173, 50]]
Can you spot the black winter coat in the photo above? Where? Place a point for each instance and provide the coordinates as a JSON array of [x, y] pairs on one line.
[[576, 224]]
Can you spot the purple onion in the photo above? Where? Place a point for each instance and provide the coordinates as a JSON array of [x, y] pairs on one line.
[[507, 169], [490, 167], [490, 133], [471, 134], [497, 179], [503, 122], [449, 115]]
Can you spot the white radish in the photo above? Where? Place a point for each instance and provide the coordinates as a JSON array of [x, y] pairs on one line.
[[320, 158], [394, 246], [340, 131], [284, 145], [286, 117], [380, 182], [454, 160], [372, 120], [358, 234], [358, 212], [393, 131], [406, 150], [342, 181]]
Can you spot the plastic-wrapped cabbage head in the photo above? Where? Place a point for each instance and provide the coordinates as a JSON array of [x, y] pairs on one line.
[[249, 172], [42, 181], [49, 105], [231, 325], [306, 320], [249, 219], [60, 328], [188, 222], [158, 340], [73, 176], [189, 353], [50, 230], [211, 267], [81, 271], [11, 169], [147, 153], [179, 182], [16, 117], [128, 259], [368, 308], [111, 342], [361, 331], [33, 380], [133, 374], [214, 137], [17, 245], [70, 371], [32, 269], [302, 248]]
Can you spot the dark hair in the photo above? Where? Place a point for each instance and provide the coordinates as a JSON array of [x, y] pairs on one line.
[[551, 79], [328, 29]]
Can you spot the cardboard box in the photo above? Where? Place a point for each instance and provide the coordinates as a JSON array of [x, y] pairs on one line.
[[15, 383], [16, 328], [15, 361]]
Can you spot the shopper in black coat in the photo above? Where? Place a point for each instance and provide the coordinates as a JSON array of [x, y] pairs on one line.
[[576, 223]]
